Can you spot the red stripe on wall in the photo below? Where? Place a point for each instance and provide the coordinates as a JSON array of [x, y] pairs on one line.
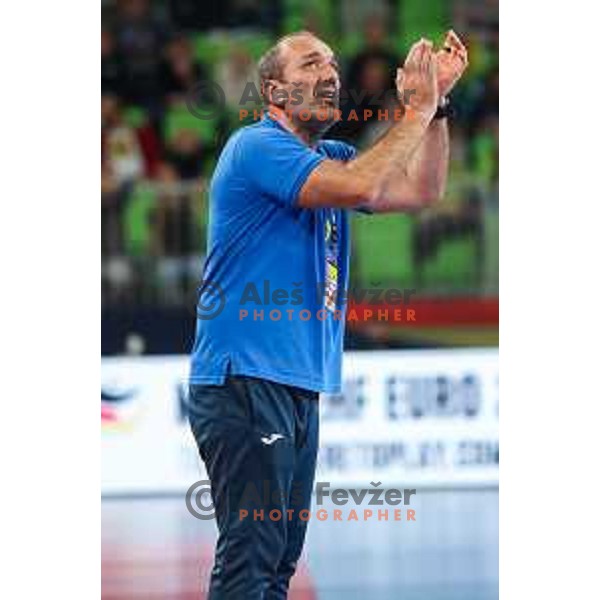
[[433, 312]]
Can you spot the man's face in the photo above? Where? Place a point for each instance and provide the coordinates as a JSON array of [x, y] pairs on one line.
[[312, 81]]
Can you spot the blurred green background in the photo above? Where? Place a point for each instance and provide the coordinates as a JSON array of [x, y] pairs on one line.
[[157, 159]]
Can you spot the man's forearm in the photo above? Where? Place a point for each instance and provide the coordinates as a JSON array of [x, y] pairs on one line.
[[391, 155], [405, 176], [429, 167], [424, 181]]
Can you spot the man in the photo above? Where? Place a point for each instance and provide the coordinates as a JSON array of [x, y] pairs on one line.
[[279, 246]]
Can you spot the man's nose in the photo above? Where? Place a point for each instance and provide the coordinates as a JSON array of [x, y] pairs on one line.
[[329, 78]]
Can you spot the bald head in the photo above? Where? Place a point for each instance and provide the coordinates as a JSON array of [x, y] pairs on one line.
[[271, 65]]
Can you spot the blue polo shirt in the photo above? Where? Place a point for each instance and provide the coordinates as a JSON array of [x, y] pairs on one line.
[[266, 304]]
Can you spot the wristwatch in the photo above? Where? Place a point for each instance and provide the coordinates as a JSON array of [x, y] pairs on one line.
[[444, 109]]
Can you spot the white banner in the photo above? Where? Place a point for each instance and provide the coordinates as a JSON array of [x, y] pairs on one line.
[[405, 418]]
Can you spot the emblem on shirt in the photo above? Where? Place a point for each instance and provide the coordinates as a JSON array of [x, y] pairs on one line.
[[331, 263]]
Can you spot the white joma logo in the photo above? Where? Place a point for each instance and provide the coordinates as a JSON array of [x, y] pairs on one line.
[[270, 439]]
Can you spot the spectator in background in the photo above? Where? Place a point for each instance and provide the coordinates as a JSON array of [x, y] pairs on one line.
[[122, 164], [234, 73], [375, 52], [180, 70], [370, 92], [128, 153], [370, 85], [140, 41], [186, 154], [121, 151], [112, 75]]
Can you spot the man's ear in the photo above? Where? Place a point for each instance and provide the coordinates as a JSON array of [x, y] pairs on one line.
[[267, 89]]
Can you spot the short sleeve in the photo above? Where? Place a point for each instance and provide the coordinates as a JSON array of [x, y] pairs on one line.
[[338, 150], [275, 162]]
